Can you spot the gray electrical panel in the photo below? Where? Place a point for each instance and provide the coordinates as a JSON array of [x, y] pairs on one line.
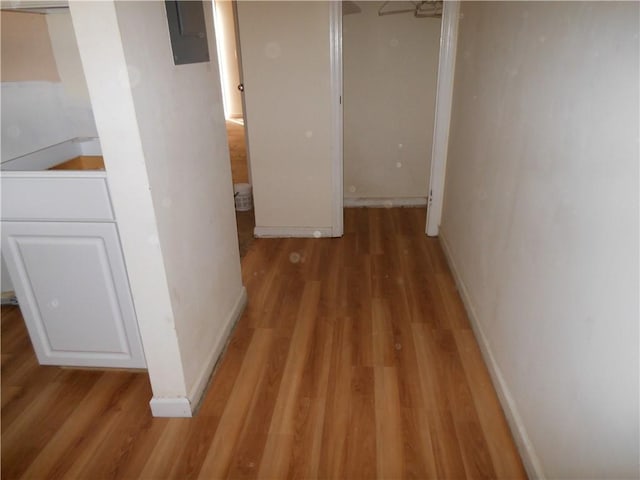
[[188, 31]]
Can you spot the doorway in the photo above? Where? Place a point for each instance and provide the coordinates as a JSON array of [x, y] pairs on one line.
[[273, 140], [439, 133], [230, 66], [390, 70]]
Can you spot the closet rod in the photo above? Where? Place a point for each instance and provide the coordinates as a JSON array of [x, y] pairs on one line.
[[418, 9]]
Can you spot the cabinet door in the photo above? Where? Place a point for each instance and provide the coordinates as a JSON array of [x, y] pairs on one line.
[[71, 282]]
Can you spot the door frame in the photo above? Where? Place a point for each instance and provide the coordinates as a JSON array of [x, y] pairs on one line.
[[444, 95], [337, 161], [221, 66], [245, 123]]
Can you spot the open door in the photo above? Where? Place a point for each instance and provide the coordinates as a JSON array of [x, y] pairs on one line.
[[240, 85], [444, 95], [230, 63]]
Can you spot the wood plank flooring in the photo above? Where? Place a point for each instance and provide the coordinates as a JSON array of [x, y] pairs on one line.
[[237, 151], [245, 221], [84, 162], [354, 359]]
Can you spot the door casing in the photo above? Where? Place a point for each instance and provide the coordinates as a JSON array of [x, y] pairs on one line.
[[446, 68]]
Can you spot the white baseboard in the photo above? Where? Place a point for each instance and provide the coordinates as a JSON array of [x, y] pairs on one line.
[[198, 389], [351, 202], [187, 406], [518, 429], [170, 407], [287, 232]]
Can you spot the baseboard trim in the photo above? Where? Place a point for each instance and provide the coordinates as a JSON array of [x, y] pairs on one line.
[[170, 407], [197, 391], [290, 232], [185, 407], [385, 202], [518, 429]]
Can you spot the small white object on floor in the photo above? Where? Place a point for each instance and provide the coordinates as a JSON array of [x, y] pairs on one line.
[[242, 195]]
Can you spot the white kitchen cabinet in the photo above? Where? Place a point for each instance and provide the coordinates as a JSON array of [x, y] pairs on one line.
[[68, 272]]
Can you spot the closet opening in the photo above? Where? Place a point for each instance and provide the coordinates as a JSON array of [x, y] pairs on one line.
[[390, 54]]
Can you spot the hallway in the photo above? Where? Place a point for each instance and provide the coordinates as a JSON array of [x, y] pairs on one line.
[[354, 359]]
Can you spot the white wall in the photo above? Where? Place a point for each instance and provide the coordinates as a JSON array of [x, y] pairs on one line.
[[390, 74], [77, 105], [41, 108], [187, 156], [226, 28], [101, 51], [286, 68], [32, 118], [6, 285], [67, 57], [164, 143], [541, 223]]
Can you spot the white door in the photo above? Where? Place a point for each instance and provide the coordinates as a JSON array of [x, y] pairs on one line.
[[240, 87], [73, 291]]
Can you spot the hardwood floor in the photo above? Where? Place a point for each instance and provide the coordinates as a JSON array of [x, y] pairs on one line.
[[245, 221], [84, 162], [354, 359], [237, 152]]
